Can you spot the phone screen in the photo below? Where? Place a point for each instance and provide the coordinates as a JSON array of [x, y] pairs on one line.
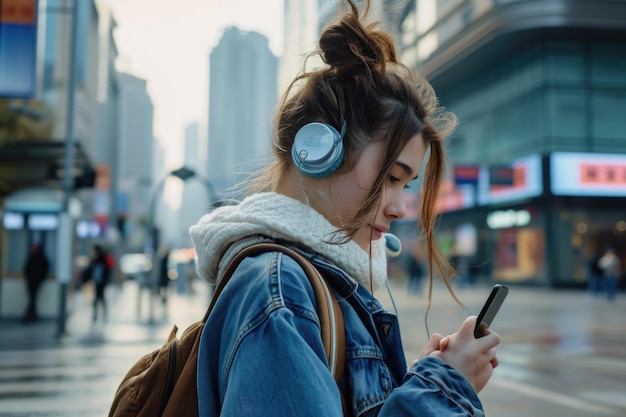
[[490, 309]]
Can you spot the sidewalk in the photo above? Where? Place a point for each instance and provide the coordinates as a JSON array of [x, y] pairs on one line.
[[131, 320]]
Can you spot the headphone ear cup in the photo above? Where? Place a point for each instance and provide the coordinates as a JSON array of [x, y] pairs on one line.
[[317, 149]]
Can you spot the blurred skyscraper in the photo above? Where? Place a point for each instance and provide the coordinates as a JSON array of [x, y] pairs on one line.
[[242, 99], [300, 26], [192, 146], [135, 155], [539, 156], [106, 149]]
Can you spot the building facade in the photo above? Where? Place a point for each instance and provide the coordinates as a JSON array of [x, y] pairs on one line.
[[539, 157], [34, 193], [135, 156], [33, 142], [242, 101]]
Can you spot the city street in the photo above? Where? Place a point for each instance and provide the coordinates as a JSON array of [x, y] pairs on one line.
[[562, 353]]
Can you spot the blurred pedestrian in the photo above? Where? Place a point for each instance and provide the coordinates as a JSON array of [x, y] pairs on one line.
[[98, 272], [163, 277], [610, 264], [35, 271], [416, 270], [191, 276], [461, 266], [596, 276]]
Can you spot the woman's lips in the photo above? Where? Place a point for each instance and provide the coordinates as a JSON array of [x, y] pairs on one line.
[[377, 233]]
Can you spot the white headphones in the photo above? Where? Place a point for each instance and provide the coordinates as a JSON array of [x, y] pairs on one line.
[[318, 149]]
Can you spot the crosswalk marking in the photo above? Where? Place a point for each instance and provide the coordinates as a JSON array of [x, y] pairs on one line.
[[568, 401], [70, 381], [78, 375]]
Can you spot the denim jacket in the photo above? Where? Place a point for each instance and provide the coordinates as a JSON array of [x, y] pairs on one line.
[[261, 352]]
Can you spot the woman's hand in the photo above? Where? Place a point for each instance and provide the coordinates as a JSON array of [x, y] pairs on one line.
[[435, 343], [474, 358]]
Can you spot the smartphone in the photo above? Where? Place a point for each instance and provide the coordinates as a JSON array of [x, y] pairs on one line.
[[490, 309]]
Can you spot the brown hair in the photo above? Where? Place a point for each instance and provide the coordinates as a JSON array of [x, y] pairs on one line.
[[380, 99]]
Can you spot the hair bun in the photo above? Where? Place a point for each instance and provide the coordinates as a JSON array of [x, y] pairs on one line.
[[350, 46]]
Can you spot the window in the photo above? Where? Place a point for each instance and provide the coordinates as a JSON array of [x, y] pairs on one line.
[[608, 65], [567, 114], [608, 118], [565, 62]]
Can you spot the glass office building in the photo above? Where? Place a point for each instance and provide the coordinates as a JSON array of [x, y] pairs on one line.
[[538, 178]]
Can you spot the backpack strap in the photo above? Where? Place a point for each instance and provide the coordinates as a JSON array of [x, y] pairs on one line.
[[330, 315]]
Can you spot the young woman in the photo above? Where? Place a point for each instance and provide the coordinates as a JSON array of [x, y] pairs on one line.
[[350, 136]]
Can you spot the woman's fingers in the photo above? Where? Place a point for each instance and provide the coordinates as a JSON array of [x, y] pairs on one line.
[[432, 345], [475, 358]]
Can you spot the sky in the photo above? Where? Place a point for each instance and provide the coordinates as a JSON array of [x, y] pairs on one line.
[[168, 44]]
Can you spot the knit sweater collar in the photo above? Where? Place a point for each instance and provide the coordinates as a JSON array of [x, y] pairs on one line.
[[281, 217]]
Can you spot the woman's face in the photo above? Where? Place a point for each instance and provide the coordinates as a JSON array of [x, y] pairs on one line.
[[349, 190]]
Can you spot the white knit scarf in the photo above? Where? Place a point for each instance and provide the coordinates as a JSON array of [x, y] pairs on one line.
[[281, 217]]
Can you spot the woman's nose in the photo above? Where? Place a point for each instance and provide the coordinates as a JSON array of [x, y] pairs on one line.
[[396, 207]]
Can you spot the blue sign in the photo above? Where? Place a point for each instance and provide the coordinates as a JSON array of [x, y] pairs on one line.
[[466, 174], [18, 48]]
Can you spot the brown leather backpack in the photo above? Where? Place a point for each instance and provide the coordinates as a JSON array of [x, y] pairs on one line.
[[163, 382]]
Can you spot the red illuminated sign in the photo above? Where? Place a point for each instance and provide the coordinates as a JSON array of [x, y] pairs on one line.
[[594, 174], [603, 174], [466, 174], [18, 11], [518, 180]]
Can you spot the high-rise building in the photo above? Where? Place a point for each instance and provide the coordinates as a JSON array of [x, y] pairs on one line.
[[192, 146], [540, 152], [242, 101], [300, 23], [135, 156], [107, 144]]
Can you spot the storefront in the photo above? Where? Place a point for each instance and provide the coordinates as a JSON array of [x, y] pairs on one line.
[[588, 211], [545, 226], [31, 203], [32, 216]]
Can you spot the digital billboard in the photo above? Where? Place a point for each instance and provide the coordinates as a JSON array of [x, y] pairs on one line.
[[525, 182], [588, 174]]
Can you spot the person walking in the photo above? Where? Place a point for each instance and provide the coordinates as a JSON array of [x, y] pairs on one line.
[[595, 283], [459, 262], [416, 270], [350, 135], [35, 271], [99, 272], [163, 273], [610, 264]]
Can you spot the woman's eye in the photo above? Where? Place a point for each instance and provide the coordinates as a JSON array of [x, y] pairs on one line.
[[393, 180]]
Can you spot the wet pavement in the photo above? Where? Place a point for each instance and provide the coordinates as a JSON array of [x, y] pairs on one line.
[[562, 353]]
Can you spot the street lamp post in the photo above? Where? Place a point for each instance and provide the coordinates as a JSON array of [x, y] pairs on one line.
[[64, 252], [184, 173]]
